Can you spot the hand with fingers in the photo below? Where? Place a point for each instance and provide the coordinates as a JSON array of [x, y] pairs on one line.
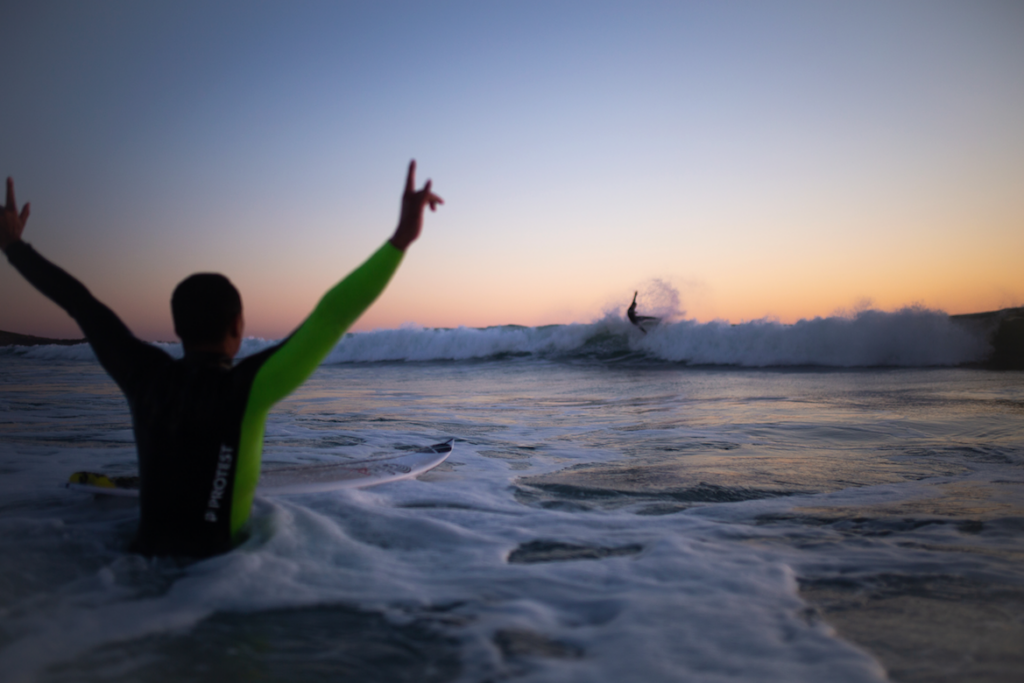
[[413, 203], [12, 224]]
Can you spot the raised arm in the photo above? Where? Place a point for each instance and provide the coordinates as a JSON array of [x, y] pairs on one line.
[[116, 348], [296, 359], [300, 355]]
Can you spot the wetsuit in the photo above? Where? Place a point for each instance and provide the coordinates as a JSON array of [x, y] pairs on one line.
[[638, 320], [199, 421]]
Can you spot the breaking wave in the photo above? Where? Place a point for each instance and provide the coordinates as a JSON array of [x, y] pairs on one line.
[[911, 337]]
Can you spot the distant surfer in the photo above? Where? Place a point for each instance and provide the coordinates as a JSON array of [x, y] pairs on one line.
[[639, 320], [199, 421]]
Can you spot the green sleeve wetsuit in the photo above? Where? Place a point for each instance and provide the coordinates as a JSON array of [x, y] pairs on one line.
[[198, 421], [297, 358]]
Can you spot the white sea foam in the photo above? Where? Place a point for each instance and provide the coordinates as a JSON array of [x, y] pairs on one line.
[[463, 343], [706, 593], [906, 338], [691, 605], [911, 337]]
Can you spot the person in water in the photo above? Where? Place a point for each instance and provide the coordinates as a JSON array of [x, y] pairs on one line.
[[199, 421], [638, 320]]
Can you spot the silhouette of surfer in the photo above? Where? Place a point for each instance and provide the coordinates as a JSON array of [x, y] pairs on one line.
[[639, 320], [199, 420]]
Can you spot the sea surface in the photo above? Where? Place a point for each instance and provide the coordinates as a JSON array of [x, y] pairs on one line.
[[834, 501]]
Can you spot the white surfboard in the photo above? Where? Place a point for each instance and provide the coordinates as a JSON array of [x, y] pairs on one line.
[[312, 478]]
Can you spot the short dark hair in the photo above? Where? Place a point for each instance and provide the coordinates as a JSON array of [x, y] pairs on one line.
[[204, 307]]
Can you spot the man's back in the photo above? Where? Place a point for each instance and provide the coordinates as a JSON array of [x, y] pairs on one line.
[[187, 416]]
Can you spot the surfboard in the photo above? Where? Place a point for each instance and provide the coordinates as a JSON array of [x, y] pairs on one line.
[[645, 323], [311, 478]]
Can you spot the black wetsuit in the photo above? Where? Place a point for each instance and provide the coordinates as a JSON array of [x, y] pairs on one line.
[[631, 313], [199, 421]]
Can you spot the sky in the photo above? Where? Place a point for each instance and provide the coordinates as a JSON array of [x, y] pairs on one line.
[[761, 159]]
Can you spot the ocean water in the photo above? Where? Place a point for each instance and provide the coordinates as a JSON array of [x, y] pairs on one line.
[[833, 500]]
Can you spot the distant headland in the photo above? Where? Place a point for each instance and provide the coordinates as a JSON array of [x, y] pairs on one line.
[[1005, 331], [15, 339]]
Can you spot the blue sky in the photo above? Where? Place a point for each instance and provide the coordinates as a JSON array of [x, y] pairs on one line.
[[782, 159]]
